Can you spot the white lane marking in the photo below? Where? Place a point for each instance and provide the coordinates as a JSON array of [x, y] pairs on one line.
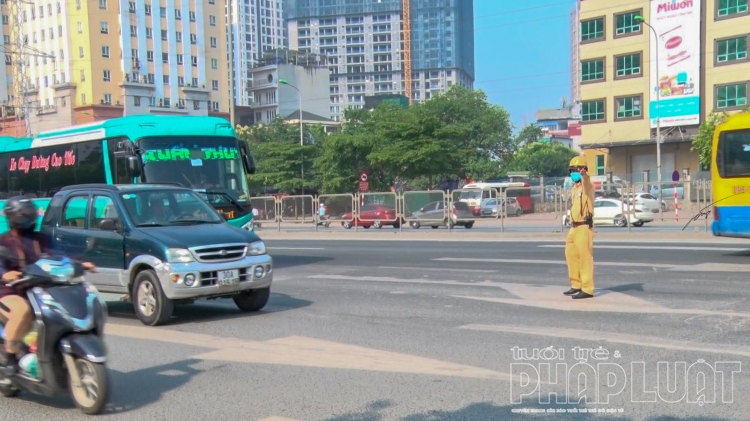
[[448, 239], [550, 262], [295, 248], [438, 269], [402, 281], [656, 248], [587, 335]]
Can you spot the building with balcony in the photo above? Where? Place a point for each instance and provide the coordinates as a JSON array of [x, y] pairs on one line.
[[703, 66], [364, 43], [561, 125], [302, 74]]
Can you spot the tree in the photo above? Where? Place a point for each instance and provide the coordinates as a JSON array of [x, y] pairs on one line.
[[543, 159], [529, 134], [703, 142], [279, 156]]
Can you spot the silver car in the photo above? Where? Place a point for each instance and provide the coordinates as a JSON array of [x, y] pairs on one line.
[[491, 207], [434, 214]]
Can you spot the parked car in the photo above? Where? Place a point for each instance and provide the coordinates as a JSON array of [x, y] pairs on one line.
[[668, 192], [372, 215], [615, 212], [607, 194], [159, 245], [491, 207], [647, 200], [434, 215]]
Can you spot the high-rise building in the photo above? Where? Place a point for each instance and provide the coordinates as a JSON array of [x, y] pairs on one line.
[[702, 66], [364, 42], [259, 27], [93, 60]]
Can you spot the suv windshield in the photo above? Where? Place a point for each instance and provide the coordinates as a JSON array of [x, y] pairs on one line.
[[168, 207], [211, 164]]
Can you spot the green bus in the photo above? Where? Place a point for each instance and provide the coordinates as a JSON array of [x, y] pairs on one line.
[[201, 153]]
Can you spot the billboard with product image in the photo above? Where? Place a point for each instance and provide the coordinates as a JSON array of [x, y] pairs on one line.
[[677, 42]]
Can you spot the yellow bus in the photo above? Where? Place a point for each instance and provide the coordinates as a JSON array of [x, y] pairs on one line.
[[730, 173]]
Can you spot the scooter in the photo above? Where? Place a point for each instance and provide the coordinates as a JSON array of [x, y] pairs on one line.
[[68, 353]]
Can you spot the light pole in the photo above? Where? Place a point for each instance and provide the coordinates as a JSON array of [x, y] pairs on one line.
[[658, 110], [301, 143]]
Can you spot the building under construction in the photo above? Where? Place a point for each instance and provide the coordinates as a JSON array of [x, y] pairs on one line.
[[411, 47]]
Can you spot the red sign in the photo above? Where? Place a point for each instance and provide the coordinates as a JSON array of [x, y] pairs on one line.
[[42, 162], [364, 185], [363, 177]]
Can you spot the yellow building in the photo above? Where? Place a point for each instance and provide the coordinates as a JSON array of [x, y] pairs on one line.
[[91, 60], [697, 75]]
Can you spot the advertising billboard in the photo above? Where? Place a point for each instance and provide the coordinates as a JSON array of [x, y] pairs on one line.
[[676, 74]]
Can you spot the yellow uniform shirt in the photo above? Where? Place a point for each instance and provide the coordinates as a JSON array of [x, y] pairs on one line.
[[582, 197]]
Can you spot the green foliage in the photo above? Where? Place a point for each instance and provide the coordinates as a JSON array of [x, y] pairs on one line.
[[704, 140], [543, 159], [529, 134], [279, 156]]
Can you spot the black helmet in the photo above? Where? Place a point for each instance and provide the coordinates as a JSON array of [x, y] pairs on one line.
[[21, 213]]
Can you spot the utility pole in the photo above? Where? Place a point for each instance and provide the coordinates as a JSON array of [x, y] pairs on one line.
[[231, 65], [20, 53]]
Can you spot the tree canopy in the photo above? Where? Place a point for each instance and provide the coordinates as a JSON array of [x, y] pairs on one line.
[[453, 135], [704, 139]]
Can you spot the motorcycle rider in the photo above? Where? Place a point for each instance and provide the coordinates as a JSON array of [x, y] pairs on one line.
[[27, 246]]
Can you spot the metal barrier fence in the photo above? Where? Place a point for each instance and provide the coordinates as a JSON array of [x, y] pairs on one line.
[[540, 209]]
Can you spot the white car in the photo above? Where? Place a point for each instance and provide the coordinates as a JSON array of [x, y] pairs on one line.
[[615, 212], [648, 201]]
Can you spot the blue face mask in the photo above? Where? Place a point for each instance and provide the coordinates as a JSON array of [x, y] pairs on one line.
[[575, 176]]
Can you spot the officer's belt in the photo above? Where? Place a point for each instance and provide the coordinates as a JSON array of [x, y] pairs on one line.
[[578, 224]]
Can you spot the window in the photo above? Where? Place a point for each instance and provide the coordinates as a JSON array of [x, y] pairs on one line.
[[74, 214], [215, 85], [732, 156], [136, 101], [149, 33], [79, 163], [147, 9], [103, 4], [730, 7], [107, 99], [107, 75], [194, 61], [213, 42], [133, 31], [83, 75], [178, 36], [600, 165], [177, 14], [592, 110], [193, 38], [592, 29], [80, 27], [164, 34], [165, 57], [731, 96], [104, 27], [105, 51], [192, 16], [628, 65], [180, 59], [80, 52], [592, 70], [150, 55], [625, 23], [731, 49], [212, 20], [163, 12], [214, 63], [165, 79], [628, 107], [104, 209]]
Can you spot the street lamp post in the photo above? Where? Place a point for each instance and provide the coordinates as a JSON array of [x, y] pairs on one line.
[[301, 136], [658, 110]]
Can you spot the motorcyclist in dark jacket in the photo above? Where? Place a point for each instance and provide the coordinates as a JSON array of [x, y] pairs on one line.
[[26, 246]]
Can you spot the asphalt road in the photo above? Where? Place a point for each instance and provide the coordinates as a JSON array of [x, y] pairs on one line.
[[429, 331]]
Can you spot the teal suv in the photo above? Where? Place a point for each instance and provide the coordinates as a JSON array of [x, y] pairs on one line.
[[160, 245]]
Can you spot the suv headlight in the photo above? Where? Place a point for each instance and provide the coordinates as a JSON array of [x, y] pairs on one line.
[[256, 249], [179, 256]]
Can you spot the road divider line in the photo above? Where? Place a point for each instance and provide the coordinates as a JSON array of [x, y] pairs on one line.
[[619, 338], [295, 248], [438, 269], [550, 262], [655, 248], [403, 281]]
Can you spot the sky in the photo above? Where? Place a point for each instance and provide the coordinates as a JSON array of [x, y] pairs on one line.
[[522, 54]]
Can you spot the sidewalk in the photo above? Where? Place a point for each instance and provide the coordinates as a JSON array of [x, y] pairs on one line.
[[464, 236]]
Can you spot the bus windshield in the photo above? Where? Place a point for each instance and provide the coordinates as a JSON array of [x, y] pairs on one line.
[[733, 154], [210, 164], [471, 194]]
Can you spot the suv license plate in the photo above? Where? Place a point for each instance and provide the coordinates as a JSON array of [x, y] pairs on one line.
[[228, 277]]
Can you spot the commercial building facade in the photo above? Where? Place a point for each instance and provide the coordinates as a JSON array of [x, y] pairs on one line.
[[364, 43], [703, 66]]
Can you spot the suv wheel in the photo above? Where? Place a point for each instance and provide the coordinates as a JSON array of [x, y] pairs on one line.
[[252, 300], [152, 307]]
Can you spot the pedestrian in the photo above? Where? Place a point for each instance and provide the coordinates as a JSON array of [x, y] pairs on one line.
[[579, 243]]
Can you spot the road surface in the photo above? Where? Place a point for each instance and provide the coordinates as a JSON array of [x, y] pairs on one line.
[[429, 330]]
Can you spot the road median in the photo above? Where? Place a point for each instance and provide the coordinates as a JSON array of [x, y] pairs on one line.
[[464, 236]]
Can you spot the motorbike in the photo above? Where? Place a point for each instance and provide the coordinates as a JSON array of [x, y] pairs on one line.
[[65, 350]]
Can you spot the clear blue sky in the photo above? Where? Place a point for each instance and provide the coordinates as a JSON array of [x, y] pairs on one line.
[[522, 54]]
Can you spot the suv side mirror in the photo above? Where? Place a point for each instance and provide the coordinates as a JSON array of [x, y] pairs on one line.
[[135, 166], [108, 225]]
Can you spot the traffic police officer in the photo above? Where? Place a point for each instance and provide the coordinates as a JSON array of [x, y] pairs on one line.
[[579, 244]]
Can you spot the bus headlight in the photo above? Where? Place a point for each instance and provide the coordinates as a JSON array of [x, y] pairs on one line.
[[257, 248]]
